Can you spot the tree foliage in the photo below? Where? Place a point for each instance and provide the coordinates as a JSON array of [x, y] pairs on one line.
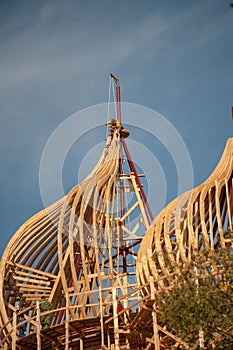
[[201, 298]]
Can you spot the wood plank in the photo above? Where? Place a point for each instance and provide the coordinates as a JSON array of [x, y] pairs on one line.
[[30, 275], [31, 280], [28, 268]]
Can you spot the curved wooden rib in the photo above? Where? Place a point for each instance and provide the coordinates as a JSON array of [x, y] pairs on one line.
[[197, 220]]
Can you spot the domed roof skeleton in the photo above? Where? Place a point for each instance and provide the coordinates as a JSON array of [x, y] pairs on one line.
[[53, 253], [199, 219], [78, 246]]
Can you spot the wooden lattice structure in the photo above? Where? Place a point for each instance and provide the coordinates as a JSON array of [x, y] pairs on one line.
[[198, 220], [82, 254]]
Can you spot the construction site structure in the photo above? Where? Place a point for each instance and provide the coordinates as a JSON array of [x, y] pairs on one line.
[[198, 220], [98, 259], [80, 254]]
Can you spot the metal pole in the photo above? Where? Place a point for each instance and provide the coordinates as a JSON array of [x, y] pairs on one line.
[[118, 96], [133, 169], [121, 170]]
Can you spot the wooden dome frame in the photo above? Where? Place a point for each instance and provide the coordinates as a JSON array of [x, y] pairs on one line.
[[198, 220], [79, 253]]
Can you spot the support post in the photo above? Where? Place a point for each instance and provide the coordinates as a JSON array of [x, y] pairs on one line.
[[67, 323], [109, 339], [38, 327], [81, 344], [115, 319], [154, 315], [201, 338], [14, 325], [101, 317], [126, 304], [201, 332]]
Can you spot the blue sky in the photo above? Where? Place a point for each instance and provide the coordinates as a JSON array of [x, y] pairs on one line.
[[173, 56]]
